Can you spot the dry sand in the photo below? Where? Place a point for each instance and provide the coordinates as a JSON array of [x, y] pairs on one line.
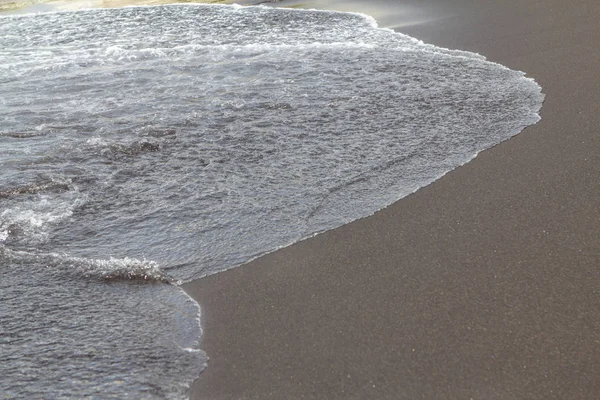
[[483, 285]]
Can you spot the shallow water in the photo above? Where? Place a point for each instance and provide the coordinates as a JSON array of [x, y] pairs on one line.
[[146, 146]]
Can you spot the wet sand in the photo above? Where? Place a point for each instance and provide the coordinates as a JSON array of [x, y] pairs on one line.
[[483, 285]]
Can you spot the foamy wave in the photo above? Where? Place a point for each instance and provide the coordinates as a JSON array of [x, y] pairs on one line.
[[109, 270], [119, 269], [32, 220], [119, 55]]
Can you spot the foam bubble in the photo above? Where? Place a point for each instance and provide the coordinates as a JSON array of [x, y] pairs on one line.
[[119, 269], [31, 220]]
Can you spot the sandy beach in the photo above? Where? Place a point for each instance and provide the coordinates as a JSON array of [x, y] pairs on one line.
[[483, 285]]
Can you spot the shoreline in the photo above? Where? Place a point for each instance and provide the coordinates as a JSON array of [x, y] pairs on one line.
[[482, 284]]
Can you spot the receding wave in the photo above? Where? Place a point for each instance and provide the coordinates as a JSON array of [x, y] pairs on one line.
[[200, 137]]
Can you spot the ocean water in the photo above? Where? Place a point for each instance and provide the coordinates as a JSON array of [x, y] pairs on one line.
[[144, 147]]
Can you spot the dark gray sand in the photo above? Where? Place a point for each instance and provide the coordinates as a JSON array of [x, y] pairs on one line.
[[483, 285]]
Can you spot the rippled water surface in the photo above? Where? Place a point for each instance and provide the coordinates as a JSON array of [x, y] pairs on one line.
[[145, 146]]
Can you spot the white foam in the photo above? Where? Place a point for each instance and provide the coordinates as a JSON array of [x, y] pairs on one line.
[[117, 269], [33, 219]]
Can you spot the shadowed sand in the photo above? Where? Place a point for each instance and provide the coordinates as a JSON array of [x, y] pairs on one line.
[[483, 285]]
